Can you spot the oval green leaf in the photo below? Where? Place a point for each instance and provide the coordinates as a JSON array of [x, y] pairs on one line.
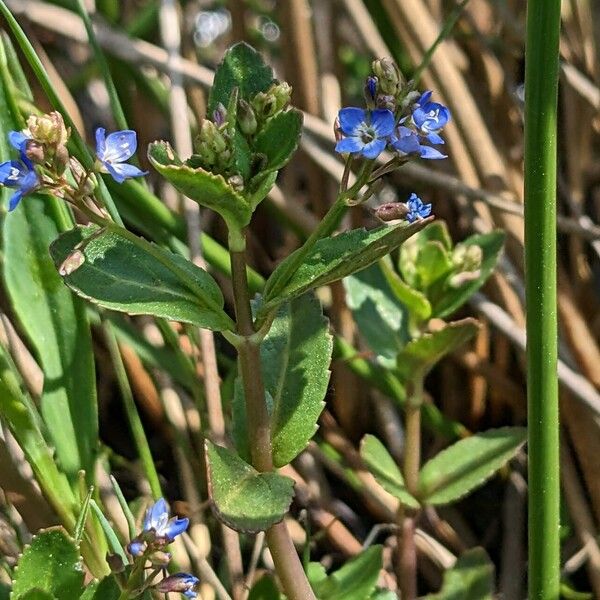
[[467, 464], [420, 355], [336, 257], [241, 497], [128, 274], [51, 563], [385, 470]]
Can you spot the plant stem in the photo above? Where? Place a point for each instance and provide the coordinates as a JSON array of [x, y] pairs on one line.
[[541, 86], [286, 559], [406, 518]]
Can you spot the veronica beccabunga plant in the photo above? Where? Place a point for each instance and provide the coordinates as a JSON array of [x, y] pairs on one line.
[[249, 134]]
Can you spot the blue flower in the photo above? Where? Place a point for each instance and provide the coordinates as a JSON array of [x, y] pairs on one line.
[[18, 174], [157, 527], [184, 583], [114, 150], [367, 131], [430, 117], [416, 208]]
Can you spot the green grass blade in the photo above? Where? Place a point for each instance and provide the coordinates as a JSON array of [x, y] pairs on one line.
[[541, 84]]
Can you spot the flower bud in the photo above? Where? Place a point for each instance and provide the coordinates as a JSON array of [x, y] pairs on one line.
[[35, 152], [220, 114], [160, 558], [386, 101], [388, 74], [180, 582], [48, 129], [246, 118], [274, 100], [390, 211], [370, 91], [467, 258], [61, 159], [236, 182], [115, 562]]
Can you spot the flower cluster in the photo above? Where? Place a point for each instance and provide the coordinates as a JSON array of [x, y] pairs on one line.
[[44, 163], [403, 121], [158, 531]]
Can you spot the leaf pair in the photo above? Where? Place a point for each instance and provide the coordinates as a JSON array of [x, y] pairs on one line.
[[450, 475]]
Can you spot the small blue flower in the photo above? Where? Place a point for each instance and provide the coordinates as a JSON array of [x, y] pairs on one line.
[[367, 131], [184, 583], [18, 140], [157, 527], [430, 117], [114, 150], [18, 174], [416, 208], [407, 141]]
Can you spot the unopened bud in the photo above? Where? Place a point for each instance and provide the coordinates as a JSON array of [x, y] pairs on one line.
[[274, 100], [460, 279], [220, 114], [236, 182], [388, 74], [246, 118], [410, 99], [61, 159], [48, 129], [386, 101], [115, 563], [467, 257], [35, 152], [180, 582], [370, 91], [390, 211]]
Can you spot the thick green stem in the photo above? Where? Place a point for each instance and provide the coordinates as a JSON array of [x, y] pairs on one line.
[[406, 518], [286, 559], [541, 84]]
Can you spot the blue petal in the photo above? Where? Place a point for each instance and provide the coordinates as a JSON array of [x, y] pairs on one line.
[[155, 514], [17, 140], [175, 527], [373, 149], [435, 138], [408, 142], [382, 121], [122, 171], [29, 182], [429, 153], [100, 142], [350, 118], [190, 594], [8, 176], [425, 96], [15, 199], [120, 146], [349, 144]]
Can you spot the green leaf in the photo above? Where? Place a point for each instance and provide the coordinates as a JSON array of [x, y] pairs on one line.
[[128, 274], [471, 578], [4, 591], [420, 355], [337, 257], [207, 189], [433, 262], [450, 299], [106, 589], [264, 589], [241, 67], [356, 580], [434, 232], [56, 323], [279, 138], [415, 301], [241, 497], [52, 564], [385, 470], [467, 464], [295, 357], [380, 318], [259, 187], [36, 594]]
